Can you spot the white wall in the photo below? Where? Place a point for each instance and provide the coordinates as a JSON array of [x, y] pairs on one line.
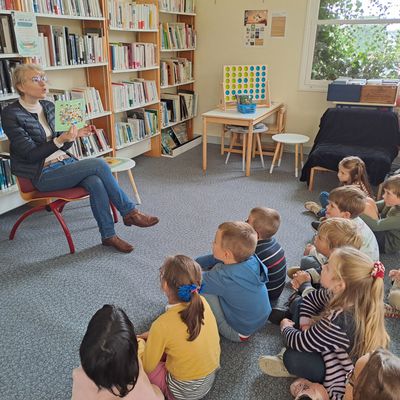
[[219, 24]]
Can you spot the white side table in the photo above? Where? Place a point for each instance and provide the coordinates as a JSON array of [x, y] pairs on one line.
[[289, 138], [119, 164]]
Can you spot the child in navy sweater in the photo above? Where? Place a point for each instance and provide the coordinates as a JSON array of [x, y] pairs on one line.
[[266, 222]]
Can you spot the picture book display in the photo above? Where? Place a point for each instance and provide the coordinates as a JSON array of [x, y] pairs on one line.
[[246, 80], [68, 113]]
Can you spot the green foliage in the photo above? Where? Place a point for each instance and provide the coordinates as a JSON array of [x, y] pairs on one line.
[[360, 50]]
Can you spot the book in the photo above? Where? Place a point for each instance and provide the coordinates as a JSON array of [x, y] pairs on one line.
[[68, 113], [180, 132]]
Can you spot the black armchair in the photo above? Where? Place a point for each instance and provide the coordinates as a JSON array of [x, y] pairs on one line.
[[372, 135]]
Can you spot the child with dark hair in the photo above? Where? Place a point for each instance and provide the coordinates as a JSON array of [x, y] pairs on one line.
[[266, 222], [182, 349], [110, 366]]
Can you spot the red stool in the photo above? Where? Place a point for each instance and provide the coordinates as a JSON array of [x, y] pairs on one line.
[[56, 203]]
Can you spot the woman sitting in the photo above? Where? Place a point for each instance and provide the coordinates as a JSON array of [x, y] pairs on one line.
[[41, 155]]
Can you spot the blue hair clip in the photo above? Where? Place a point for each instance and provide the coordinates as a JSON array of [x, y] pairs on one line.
[[185, 291]]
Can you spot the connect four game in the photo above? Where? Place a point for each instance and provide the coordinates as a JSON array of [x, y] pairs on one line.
[[246, 79]]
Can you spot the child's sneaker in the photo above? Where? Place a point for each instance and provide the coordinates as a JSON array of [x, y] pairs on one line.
[[274, 366], [313, 207], [391, 312], [292, 270]]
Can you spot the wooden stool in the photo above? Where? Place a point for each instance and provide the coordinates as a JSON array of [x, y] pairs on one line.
[[312, 174], [236, 132], [119, 164], [289, 138]]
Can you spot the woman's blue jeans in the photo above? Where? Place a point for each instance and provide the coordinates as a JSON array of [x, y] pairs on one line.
[[95, 176]]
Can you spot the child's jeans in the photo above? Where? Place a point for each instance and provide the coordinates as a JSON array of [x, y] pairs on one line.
[[323, 200], [223, 327]]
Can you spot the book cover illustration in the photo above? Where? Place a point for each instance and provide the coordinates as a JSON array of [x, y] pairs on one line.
[[68, 113], [26, 33]]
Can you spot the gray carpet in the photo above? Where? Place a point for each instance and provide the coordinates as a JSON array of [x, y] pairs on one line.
[[47, 296]]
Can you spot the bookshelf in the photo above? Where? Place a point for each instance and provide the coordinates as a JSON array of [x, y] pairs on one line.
[[112, 19]]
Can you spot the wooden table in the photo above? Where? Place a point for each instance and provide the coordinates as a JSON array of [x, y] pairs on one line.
[[233, 117]]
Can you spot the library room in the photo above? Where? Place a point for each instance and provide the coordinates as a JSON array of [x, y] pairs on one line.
[[200, 199]]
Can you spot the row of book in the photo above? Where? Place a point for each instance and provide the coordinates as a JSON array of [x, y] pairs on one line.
[[61, 47], [132, 55], [6, 70], [7, 40], [9, 4], [91, 146], [140, 124], [90, 95], [178, 107], [175, 70], [82, 8], [177, 35], [7, 179], [123, 15], [135, 93], [3, 104], [173, 137], [187, 6]]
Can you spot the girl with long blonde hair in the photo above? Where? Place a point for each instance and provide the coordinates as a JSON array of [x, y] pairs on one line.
[[338, 324]]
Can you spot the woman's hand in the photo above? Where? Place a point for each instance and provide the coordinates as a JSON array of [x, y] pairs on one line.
[[86, 131], [285, 323], [69, 136]]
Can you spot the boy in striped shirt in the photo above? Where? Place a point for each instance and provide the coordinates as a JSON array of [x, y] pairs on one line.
[[266, 222]]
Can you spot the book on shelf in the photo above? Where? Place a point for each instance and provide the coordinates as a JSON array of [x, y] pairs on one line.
[[132, 55], [7, 68], [60, 47], [178, 107], [7, 179], [81, 8], [177, 35], [90, 96], [180, 132], [90, 146], [175, 71], [3, 104], [123, 15], [146, 121], [167, 141], [182, 6], [135, 93], [7, 38], [8, 4]]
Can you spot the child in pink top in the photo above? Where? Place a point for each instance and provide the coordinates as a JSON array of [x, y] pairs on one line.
[[111, 368]]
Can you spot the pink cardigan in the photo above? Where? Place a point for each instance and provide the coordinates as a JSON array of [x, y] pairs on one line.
[[83, 388]]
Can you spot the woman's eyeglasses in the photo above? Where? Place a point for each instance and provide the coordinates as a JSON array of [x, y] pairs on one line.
[[39, 78]]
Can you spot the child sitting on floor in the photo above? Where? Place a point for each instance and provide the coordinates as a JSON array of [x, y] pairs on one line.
[[384, 217], [351, 171], [339, 323], [348, 202], [375, 376], [266, 222], [111, 368], [235, 282], [182, 347]]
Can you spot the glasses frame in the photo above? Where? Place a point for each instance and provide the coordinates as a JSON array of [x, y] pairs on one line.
[[39, 79]]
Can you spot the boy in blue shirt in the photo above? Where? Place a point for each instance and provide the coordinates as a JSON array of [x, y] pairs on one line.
[[235, 282]]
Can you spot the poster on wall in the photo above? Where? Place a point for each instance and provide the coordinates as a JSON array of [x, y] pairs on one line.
[[278, 24], [255, 22]]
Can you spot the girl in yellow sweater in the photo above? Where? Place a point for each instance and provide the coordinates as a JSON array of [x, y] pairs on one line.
[[182, 349]]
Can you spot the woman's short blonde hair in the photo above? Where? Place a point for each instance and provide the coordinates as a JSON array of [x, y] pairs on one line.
[[20, 72]]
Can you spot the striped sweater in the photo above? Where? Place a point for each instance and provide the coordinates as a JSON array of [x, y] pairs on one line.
[[270, 252], [332, 336]]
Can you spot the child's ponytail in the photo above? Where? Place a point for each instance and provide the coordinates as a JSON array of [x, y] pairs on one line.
[[183, 276]]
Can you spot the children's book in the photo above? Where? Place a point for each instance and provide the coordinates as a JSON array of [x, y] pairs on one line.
[[68, 113]]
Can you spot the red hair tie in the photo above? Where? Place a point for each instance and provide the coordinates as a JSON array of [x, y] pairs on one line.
[[378, 270]]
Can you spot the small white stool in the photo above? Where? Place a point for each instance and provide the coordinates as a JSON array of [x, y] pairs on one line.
[[289, 138], [236, 131], [119, 164]]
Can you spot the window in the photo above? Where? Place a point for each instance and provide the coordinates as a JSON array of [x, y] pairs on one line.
[[354, 38]]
